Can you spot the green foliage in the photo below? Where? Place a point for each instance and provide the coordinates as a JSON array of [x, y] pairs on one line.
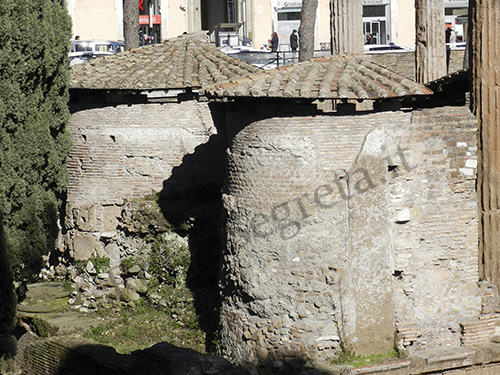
[[8, 303], [170, 259], [144, 325], [101, 264], [153, 197], [127, 263], [350, 358], [34, 144]]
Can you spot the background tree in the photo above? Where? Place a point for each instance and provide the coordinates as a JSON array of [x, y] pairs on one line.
[[306, 29], [8, 304], [34, 144], [131, 23]]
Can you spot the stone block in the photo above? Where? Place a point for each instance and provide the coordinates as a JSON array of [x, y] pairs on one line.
[[84, 217], [84, 246], [110, 217], [112, 251]]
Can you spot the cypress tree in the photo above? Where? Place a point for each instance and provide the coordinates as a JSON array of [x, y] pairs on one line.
[[8, 303], [34, 143]]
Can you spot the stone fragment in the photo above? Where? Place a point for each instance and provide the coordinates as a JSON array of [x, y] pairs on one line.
[[90, 268], [142, 286], [129, 295], [134, 270], [61, 270], [112, 251], [403, 216]]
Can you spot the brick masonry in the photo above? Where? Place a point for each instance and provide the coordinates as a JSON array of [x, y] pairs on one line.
[[349, 230], [404, 62], [354, 230], [124, 152]]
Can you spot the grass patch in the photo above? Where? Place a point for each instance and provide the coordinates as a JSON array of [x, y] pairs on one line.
[[350, 358], [142, 326]]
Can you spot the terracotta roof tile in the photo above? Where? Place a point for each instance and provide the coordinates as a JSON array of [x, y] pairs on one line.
[[179, 63], [347, 77]]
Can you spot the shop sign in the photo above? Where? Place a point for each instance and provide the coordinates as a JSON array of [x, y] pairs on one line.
[[144, 20], [288, 4], [375, 2]]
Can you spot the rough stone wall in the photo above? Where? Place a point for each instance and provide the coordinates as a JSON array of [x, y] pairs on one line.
[[123, 152], [348, 231]]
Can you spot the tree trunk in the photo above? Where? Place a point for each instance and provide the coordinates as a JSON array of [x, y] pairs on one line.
[[306, 29], [131, 24], [430, 43], [485, 54], [346, 26]]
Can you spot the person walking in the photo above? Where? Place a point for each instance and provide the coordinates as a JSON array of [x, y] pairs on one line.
[[294, 40], [274, 42]]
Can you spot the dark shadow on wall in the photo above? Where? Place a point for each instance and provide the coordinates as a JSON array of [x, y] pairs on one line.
[[8, 300], [191, 199], [162, 358]]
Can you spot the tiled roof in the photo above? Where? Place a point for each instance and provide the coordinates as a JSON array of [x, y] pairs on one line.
[[347, 77], [180, 63]]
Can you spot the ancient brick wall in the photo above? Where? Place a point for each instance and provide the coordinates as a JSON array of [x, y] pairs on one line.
[[124, 152], [404, 62], [350, 230], [436, 253]]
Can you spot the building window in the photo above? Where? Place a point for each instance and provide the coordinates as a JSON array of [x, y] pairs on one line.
[[375, 24], [374, 11], [288, 16]]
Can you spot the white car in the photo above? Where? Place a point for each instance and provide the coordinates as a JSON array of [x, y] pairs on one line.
[[97, 46]]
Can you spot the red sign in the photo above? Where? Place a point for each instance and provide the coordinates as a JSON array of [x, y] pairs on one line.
[[144, 20]]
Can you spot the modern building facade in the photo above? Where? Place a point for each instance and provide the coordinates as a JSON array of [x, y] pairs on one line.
[[229, 21]]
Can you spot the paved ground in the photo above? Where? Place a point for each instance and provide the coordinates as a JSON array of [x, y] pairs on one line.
[[47, 310]]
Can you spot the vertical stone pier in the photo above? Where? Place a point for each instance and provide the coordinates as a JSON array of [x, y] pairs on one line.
[[485, 55], [430, 48], [347, 26]]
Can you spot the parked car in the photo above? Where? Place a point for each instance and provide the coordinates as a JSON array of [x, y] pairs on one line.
[[84, 50], [96, 46], [81, 57]]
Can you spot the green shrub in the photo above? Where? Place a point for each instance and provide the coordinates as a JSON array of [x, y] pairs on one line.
[[170, 259], [34, 144], [101, 264]]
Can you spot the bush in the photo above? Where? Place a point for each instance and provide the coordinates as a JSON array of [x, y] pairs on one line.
[[34, 144]]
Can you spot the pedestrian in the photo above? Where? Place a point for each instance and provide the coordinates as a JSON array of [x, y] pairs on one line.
[[274, 42], [448, 34], [453, 37], [294, 40]]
